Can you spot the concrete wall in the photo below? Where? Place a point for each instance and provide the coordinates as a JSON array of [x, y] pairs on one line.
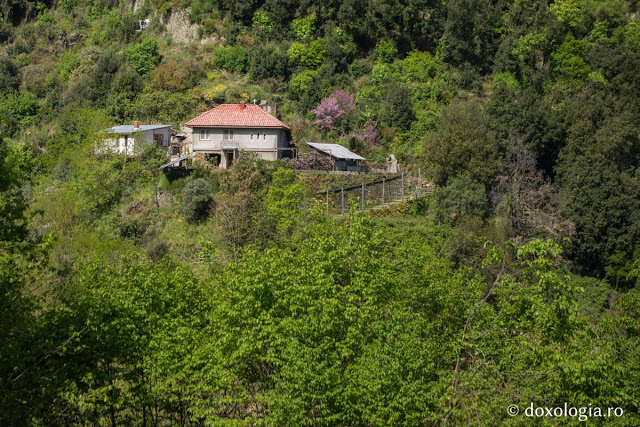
[[261, 141]]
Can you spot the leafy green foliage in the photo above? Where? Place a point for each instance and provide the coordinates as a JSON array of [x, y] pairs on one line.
[[267, 61], [462, 196], [309, 56], [304, 28], [398, 111], [300, 83], [144, 56], [463, 144], [165, 106], [231, 58], [386, 51], [16, 110], [9, 75], [263, 22], [284, 199], [196, 200], [121, 305]]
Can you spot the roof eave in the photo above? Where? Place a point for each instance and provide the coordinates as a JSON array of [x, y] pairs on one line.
[[192, 125]]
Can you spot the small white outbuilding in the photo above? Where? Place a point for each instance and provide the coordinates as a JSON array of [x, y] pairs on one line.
[[131, 139]]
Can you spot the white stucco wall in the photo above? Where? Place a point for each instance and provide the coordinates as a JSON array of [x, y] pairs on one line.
[[131, 143]]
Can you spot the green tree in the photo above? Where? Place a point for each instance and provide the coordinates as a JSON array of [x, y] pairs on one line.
[[304, 28], [462, 196], [284, 198], [143, 56], [471, 33], [10, 77], [196, 200], [386, 51], [263, 23], [231, 58], [463, 144], [267, 61], [17, 109], [398, 110], [309, 56]]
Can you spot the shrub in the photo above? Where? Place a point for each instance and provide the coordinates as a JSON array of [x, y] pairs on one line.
[[68, 62], [168, 76], [310, 56], [300, 82], [17, 109], [144, 56], [461, 197], [262, 22], [9, 75], [267, 61], [196, 200], [386, 51], [165, 106], [304, 28], [359, 68], [231, 58]]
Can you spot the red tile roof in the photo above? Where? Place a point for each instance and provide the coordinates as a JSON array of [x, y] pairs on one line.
[[236, 116]]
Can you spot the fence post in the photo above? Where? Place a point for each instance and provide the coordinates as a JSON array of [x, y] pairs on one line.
[[402, 186], [362, 198], [383, 191], [342, 192], [327, 209]]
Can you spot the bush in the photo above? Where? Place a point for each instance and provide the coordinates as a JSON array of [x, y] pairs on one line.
[[359, 68], [300, 83], [304, 28], [386, 51], [398, 111], [231, 58], [169, 76], [17, 109], [462, 197], [9, 75], [267, 61], [262, 23], [196, 200], [165, 106], [144, 56], [310, 56]]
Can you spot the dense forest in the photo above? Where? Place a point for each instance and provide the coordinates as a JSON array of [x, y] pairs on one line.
[[230, 297]]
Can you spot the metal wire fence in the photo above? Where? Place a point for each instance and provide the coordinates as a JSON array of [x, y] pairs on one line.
[[367, 195]]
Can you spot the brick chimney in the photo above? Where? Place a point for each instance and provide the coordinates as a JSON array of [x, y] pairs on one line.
[[242, 105], [136, 125]]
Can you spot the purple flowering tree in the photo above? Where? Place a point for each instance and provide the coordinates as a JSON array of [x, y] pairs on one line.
[[369, 136], [332, 107]]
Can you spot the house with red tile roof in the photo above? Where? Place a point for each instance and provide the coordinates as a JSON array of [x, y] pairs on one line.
[[220, 134]]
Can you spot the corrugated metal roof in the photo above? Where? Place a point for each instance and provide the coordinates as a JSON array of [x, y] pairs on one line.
[[335, 150], [174, 161], [128, 129], [236, 116]]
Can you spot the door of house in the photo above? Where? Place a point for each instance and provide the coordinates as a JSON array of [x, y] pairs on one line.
[[229, 156], [159, 140]]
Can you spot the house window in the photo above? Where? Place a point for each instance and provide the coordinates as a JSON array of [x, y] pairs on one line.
[[205, 134], [228, 134], [251, 135], [264, 136]]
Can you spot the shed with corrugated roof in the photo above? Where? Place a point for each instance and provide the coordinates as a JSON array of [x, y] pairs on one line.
[[343, 158]]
